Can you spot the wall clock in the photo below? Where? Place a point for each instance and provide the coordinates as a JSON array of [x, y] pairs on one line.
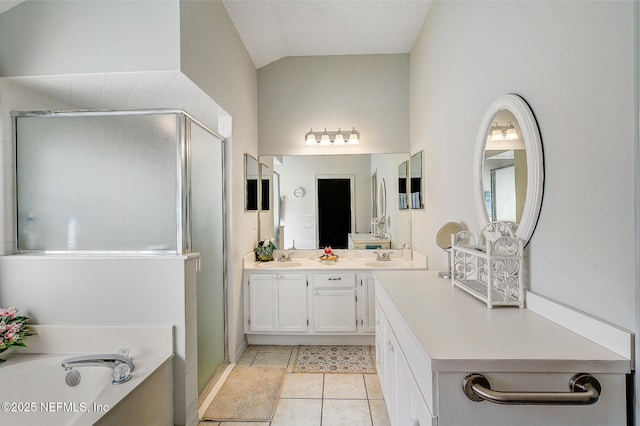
[[298, 192]]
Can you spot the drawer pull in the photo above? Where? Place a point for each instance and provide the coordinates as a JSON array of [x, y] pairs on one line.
[[585, 390], [335, 279]]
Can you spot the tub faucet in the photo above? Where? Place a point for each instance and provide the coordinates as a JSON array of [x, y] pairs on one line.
[[122, 365]]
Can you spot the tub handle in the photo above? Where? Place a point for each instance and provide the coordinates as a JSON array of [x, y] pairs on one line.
[[585, 390]]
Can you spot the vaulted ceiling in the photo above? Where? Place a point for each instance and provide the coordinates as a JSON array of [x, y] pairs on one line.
[[273, 29]]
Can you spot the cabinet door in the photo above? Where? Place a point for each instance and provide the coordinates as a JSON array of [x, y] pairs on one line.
[[263, 309], [334, 310], [292, 303], [367, 300], [380, 344], [401, 386]]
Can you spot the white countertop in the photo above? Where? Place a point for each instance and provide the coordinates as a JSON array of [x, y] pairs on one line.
[[458, 332], [308, 260]]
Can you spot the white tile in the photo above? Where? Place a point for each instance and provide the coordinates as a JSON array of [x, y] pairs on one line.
[[345, 412], [379, 414], [374, 391], [297, 412], [302, 385], [344, 386]]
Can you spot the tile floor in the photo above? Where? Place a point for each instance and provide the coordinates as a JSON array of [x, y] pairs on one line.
[[311, 399]]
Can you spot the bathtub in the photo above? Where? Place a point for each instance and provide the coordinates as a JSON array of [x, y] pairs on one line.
[[34, 392]]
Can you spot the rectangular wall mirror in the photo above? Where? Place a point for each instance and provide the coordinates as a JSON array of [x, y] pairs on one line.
[[296, 223], [251, 183], [415, 170], [403, 188]]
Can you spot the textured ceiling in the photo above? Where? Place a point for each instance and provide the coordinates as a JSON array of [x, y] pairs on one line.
[[8, 4], [273, 29]]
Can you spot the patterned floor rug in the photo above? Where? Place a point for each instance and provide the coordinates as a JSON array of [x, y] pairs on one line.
[[334, 359], [248, 394]]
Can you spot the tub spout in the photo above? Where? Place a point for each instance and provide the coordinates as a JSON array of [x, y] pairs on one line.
[[122, 365]]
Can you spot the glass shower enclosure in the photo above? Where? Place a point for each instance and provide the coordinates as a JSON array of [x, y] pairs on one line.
[[127, 183]]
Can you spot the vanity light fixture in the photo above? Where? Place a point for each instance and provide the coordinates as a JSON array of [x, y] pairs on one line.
[[502, 133], [328, 138]]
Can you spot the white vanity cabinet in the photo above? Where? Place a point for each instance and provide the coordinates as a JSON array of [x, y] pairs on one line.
[[310, 303], [277, 303], [430, 336], [333, 298], [404, 401], [366, 302]]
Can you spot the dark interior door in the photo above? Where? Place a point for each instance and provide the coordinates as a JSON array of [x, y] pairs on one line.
[[334, 212]]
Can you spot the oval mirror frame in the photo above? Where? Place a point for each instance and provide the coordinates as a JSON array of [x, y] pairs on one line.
[[535, 162]]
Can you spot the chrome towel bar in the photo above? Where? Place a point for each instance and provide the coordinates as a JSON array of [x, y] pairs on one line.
[[585, 390]]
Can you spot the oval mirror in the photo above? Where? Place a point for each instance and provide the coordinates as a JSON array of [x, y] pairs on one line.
[[508, 166]]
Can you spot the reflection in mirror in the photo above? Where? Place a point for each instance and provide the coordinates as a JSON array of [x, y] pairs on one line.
[[415, 169], [504, 173], [374, 194], [251, 182], [508, 166], [382, 199], [265, 190], [403, 190], [298, 220]]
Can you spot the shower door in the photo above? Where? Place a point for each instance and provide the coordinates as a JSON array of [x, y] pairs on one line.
[[207, 238]]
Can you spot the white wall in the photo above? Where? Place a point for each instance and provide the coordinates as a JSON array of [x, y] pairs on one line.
[[76, 37], [370, 92], [214, 57], [573, 63]]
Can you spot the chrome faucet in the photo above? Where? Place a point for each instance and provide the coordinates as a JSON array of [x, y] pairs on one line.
[[384, 256], [282, 257], [122, 365]]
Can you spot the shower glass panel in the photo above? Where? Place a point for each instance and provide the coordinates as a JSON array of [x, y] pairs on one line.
[[105, 182], [207, 233]]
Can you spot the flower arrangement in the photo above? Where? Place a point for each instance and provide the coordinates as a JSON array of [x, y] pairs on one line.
[[13, 329], [264, 251]]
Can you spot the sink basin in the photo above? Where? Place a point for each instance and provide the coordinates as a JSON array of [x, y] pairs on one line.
[[274, 264], [385, 264]]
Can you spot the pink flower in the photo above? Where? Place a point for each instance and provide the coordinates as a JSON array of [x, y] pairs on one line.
[[10, 336], [9, 312]]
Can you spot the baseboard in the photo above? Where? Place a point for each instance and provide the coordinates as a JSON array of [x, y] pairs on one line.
[[273, 339], [612, 337]]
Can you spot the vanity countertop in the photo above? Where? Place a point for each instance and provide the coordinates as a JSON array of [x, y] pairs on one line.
[[458, 332], [348, 260]]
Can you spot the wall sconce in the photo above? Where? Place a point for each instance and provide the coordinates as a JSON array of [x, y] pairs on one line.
[[502, 133], [327, 138]]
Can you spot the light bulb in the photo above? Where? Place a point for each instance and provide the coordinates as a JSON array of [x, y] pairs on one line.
[[325, 138], [354, 137]]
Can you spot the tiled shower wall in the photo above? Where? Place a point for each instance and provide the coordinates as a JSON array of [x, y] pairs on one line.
[[14, 98]]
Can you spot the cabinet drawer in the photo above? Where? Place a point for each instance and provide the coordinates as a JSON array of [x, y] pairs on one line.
[[334, 280]]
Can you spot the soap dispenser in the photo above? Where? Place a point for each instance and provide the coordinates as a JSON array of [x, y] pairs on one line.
[[406, 252]]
